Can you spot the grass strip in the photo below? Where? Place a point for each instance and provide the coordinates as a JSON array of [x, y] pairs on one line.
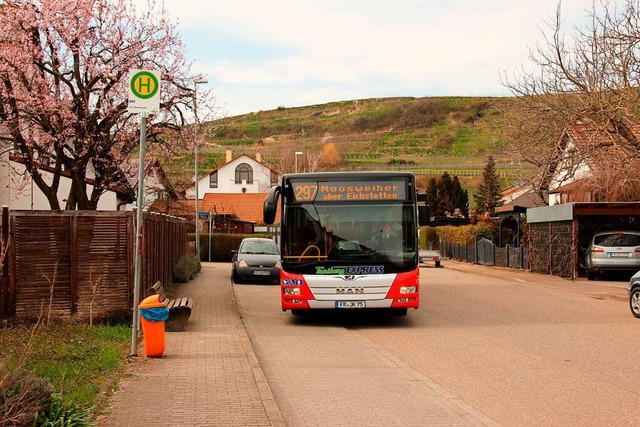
[[81, 362]]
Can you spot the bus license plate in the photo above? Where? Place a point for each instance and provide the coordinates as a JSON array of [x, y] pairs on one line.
[[350, 304], [261, 273]]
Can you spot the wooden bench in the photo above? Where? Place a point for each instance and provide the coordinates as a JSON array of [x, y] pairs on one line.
[[179, 308]]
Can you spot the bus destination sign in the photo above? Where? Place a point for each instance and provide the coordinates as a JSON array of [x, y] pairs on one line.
[[329, 191]]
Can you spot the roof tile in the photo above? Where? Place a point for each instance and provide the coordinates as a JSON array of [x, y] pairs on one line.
[[247, 206]]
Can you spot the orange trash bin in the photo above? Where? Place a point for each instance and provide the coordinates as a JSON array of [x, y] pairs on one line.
[[153, 313]]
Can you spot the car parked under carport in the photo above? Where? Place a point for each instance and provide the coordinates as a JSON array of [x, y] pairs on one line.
[[611, 251]]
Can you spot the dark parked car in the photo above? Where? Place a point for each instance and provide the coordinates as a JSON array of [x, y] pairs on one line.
[[634, 294], [613, 251], [257, 259]]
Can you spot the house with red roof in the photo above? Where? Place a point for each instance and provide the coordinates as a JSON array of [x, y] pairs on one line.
[[232, 195], [241, 174], [229, 213], [576, 148]]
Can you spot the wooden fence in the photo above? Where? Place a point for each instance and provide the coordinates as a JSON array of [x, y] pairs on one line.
[[80, 264], [4, 264]]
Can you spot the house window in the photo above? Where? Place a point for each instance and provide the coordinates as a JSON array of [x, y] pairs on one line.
[[213, 179], [244, 172], [274, 178]]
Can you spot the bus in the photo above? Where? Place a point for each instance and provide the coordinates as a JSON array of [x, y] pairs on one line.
[[333, 255]]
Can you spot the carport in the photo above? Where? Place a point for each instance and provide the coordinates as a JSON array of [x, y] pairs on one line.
[[560, 234]]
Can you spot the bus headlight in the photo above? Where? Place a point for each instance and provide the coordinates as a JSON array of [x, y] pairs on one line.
[[408, 289], [291, 291]]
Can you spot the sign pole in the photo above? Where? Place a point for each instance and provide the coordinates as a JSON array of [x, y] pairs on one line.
[[139, 228], [210, 232], [144, 98]]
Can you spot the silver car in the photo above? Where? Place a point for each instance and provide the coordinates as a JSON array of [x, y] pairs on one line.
[[257, 259], [634, 294], [613, 251]]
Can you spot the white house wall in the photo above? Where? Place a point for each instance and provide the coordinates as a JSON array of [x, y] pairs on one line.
[[23, 195], [153, 190], [566, 174], [5, 180], [227, 179]]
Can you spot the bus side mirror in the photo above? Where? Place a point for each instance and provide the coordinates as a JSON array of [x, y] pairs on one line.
[[271, 205], [423, 215]]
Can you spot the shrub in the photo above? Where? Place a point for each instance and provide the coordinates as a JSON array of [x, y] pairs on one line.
[[428, 237], [467, 234], [22, 395], [222, 244], [57, 414], [186, 268]]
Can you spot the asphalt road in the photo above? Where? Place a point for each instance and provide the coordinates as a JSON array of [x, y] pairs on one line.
[[511, 349]]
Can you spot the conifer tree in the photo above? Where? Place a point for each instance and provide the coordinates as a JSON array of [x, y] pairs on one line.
[[488, 196], [445, 191], [460, 198], [432, 196], [445, 195]]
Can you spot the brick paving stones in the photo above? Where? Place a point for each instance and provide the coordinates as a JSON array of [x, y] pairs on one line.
[[208, 376]]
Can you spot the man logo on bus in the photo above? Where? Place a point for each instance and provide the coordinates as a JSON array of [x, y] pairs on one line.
[[349, 291]]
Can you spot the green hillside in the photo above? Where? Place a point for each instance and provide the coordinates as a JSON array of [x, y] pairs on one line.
[[425, 135]]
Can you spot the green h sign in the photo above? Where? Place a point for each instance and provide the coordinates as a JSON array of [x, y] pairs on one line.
[[144, 91]]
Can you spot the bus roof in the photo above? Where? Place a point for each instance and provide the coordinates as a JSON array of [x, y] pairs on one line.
[[350, 174]]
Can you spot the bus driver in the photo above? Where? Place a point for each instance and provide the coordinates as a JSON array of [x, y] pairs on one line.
[[386, 238]]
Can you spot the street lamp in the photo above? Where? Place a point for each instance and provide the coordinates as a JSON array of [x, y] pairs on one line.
[[195, 160], [297, 153]]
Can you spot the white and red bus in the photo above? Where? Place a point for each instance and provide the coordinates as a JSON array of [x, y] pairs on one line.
[[333, 254]]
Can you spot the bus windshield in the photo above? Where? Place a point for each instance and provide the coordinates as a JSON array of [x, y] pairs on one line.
[[328, 234]]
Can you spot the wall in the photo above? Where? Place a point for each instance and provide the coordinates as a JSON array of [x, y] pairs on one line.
[[24, 195], [551, 248], [227, 177], [566, 174], [4, 178]]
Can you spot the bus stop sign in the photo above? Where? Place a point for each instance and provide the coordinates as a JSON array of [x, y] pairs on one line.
[[144, 91]]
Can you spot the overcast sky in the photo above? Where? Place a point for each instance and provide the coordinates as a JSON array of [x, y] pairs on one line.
[[261, 54]]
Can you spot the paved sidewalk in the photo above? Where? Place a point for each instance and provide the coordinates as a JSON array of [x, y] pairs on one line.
[[600, 289], [208, 376]]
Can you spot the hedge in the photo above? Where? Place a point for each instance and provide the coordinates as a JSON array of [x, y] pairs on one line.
[[221, 244]]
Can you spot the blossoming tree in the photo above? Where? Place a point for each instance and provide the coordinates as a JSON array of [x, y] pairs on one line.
[[64, 74]]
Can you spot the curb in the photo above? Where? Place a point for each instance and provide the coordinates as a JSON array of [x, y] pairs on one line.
[[606, 291], [270, 405]]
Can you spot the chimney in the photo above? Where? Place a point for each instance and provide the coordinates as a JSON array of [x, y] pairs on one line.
[[228, 154], [258, 158]]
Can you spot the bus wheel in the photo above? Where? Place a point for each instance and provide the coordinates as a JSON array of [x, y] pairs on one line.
[[399, 311]]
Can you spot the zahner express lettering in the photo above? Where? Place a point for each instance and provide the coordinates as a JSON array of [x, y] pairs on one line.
[[365, 269]]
